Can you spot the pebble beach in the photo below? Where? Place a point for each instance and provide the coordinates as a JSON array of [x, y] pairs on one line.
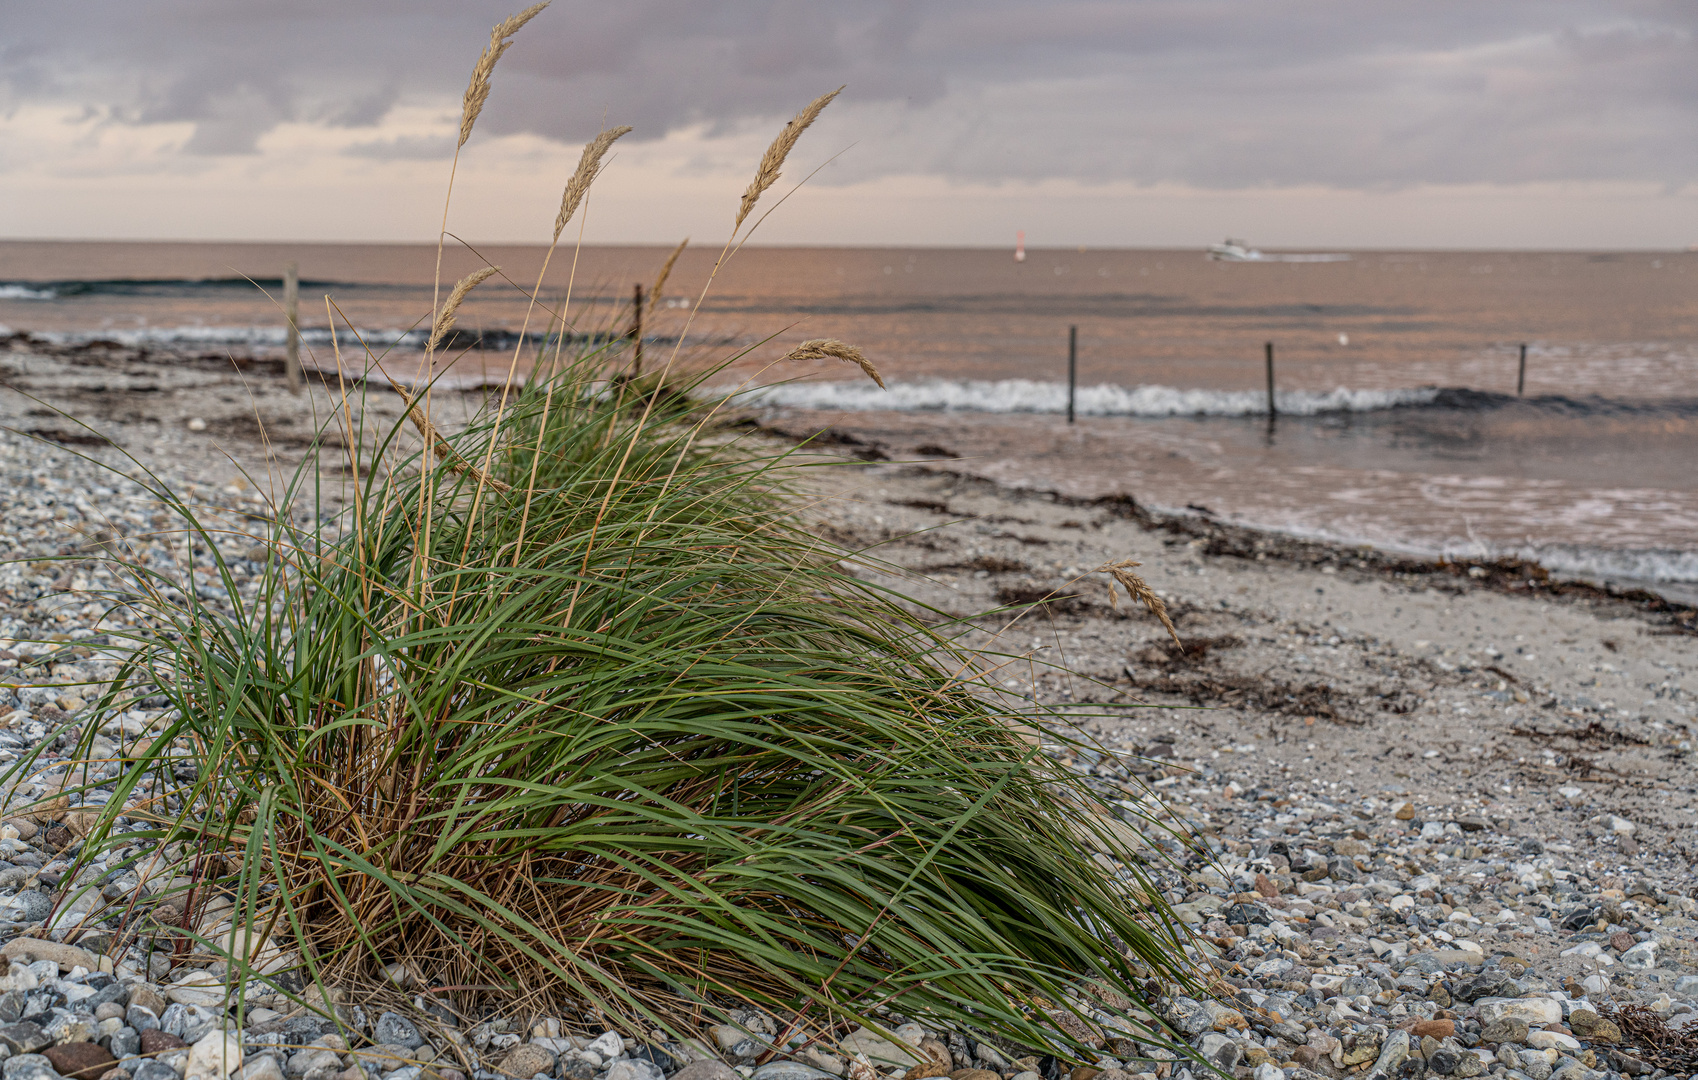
[[1441, 816]]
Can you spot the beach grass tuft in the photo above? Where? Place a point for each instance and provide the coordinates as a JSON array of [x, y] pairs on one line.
[[602, 727]]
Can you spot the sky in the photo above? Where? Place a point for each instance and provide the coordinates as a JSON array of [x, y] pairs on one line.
[[1164, 123]]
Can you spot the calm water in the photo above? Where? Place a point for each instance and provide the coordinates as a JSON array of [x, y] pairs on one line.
[[1396, 371]]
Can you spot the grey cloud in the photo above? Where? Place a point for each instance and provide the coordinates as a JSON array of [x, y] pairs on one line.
[[1217, 93], [405, 148]]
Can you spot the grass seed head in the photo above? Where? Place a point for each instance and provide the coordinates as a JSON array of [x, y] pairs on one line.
[[1139, 590], [773, 159], [831, 349], [589, 165], [477, 91], [445, 318], [665, 272]]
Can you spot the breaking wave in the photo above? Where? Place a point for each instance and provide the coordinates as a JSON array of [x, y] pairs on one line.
[[1104, 399]]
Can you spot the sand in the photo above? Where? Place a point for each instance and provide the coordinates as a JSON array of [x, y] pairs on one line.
[[1305, 665]]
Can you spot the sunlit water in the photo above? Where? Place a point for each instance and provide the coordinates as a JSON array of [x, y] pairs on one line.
[[1396, 372]]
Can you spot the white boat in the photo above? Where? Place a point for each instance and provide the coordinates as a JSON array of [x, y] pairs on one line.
[[1230, 250]]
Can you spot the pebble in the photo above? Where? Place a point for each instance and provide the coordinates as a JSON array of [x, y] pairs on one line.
[[1375, 932], [524, 1060], [397, 1030], [80, 1060]]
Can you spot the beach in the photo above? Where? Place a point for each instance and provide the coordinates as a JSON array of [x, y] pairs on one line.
[[1447, 807]]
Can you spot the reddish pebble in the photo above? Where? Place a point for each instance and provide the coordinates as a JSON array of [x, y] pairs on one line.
[[1266, 887], [156, 1041], [1438, 1029], [80, 1060]]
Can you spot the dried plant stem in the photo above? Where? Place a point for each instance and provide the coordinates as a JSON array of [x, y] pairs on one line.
[[665, 272], [767, 173], [1138, 589], [445, 317], [765, 176], [577, 188], [477, 90], [589, 167], [832, 349]]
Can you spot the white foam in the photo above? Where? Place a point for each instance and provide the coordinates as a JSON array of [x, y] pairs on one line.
[[24, 292], [1104, 399], [1616, 564], [204, 335]]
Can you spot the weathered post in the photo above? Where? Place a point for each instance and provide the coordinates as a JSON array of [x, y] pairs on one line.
[[1072, 367], [292, 312], [1272, 410], [636, 333]]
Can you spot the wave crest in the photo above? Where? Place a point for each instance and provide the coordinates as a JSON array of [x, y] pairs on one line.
[[1104, 399]]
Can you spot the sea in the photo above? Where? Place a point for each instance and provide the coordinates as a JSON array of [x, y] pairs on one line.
[[1477, 404]]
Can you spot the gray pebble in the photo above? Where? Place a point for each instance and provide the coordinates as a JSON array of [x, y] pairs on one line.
[[397, 1030]]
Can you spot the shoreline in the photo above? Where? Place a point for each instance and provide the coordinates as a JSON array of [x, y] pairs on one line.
[[1425, 792], [1508, 574]]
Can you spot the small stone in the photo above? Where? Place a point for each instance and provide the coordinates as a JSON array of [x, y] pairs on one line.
[[1406, 812], [66, 1028], [24, 1038], [80, 1060], [148, 998], [195, 423], [153, 1070], [1219, 1050], [155, 1041], [197, 988], [1392, 1055], [1549, 1040], [214, 1057], [974, 1074], [1433, 1029], [263, 1067], [1621, 941], [1444, 1060], [706, 1070], [314, 1059], [608, 1044], [31, 1067], [1604, 1031], [141, 1017], [1539, 1011], [523, 1061], [795, 1070], [882, 1053], [109, 1010], [1266, 887], [636, 1069], [66, 956], [1641, 957], [397, 1030], [1505, 1029], [125, 1042]]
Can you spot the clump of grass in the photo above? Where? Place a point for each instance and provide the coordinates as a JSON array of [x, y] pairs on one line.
[[599, 724]]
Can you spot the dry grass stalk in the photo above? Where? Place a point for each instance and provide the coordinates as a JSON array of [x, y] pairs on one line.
[[477, 91], [830, 349], [450, 456], [773, 160], [445, 318], [589, 165], [665, 272], [1140, 590]]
